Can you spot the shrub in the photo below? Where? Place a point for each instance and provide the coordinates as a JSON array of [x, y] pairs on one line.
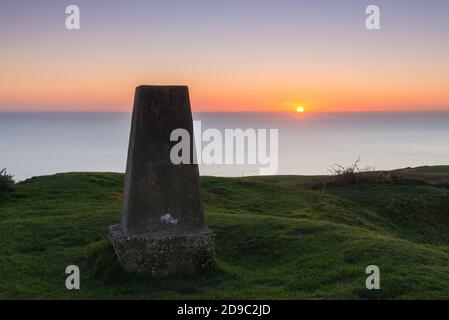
[[345, 175], [6, 181], [354, 173]]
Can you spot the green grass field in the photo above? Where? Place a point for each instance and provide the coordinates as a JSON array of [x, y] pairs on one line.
[[275, 239]]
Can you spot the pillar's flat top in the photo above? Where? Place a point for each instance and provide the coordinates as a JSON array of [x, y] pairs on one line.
[[145, 86]]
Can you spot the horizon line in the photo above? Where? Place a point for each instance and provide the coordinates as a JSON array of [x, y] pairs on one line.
[[240, 111]]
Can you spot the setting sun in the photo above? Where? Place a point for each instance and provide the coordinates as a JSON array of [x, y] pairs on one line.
[[300, 109]]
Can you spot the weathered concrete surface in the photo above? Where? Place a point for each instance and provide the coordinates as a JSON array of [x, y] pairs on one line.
[[154, 186], [162, 229], [163, 255]]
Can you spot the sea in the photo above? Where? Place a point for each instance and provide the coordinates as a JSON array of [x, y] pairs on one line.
[[36, 144]]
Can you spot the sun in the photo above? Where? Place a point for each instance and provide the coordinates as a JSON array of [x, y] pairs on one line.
[[300, 109]]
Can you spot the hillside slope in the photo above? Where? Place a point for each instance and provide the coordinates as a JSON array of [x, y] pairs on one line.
[[275, 239]]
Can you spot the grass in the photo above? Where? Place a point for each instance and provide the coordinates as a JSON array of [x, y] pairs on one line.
[[275, 239]]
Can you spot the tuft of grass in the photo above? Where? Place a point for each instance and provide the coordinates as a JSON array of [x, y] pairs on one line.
[[275, 239]]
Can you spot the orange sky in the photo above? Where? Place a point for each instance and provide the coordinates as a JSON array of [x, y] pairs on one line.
[[242, 61]]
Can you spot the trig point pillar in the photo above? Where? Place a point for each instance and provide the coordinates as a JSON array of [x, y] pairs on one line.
[[162, 231]]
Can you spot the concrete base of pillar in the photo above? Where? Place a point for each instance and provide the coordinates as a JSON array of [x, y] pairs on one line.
[[163, 255]]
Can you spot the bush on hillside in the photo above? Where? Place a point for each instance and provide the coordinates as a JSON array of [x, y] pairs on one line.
[[344, 175], [6, 181]]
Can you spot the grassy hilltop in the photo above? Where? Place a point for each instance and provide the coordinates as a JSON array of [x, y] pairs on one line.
[[276, 238]]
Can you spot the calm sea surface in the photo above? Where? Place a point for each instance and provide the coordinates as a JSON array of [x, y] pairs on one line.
[[33, 144]]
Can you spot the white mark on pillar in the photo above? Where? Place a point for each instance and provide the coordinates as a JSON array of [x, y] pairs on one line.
[[168, 219]]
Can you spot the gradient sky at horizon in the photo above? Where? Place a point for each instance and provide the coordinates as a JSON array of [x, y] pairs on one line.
[[242, 55]]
